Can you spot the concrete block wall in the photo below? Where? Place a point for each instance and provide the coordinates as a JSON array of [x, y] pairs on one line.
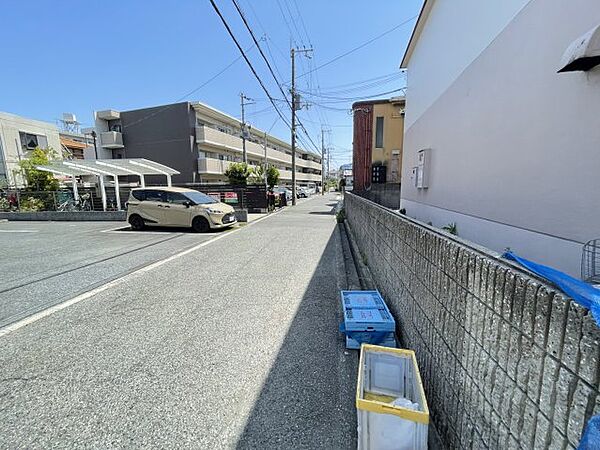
[[387, 194], [507, 360]]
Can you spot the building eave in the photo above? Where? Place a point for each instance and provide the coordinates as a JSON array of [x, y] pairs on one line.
[[425, 10]]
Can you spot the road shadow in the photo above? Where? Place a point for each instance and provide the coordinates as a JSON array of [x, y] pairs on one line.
[[307, 400], [323, 213], [170, 230]]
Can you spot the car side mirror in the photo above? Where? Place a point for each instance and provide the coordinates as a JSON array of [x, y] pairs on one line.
[[187, 203]]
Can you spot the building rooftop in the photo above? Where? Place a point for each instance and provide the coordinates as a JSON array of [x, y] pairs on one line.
[[378, 101], [425, 10]]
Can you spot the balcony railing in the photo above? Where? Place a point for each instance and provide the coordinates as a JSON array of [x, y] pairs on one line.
[[213, 166], [111, 139], [224, 141]]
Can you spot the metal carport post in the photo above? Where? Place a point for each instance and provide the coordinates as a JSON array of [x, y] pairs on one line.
[[100, 172], [58, 172]]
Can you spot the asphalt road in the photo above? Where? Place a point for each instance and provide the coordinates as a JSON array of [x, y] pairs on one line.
[[232, 345], [45, 263]]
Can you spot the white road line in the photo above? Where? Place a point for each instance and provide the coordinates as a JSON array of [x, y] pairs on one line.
[[19, 231], [53, 309]]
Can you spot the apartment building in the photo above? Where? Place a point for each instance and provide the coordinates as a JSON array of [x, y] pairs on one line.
[[502, 132], [199, 141], [19, 136], [377, 144]]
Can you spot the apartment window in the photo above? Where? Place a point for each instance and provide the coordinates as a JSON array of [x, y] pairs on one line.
[[31, 141], [379, 132]]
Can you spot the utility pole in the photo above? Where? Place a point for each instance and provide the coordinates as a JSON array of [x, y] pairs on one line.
[[322, 161], [266, 166], [95, 146], [243, 103], [295, 106]]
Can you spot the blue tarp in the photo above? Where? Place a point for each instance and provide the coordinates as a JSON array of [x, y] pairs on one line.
[[583, 293], [591, 435]]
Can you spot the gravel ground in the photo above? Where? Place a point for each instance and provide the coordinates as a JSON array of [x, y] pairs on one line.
[[232, 345]]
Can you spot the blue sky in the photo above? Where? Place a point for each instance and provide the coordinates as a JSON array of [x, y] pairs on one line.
[[74, 56]]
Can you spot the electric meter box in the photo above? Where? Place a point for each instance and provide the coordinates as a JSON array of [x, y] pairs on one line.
[[423, 166]]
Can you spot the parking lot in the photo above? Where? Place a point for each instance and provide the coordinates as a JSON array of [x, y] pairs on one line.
[[45, 263]]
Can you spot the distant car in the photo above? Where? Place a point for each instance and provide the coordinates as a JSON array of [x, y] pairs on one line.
[[311, 190], [283, 190], [301, 192], [177, 207]]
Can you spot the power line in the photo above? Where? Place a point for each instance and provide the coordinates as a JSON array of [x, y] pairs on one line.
[[285, 19], [193, 91], [347, 99], [364, 44], [243, 17], [395, 74], [360, 87], [302, 22], [287, 7], [226, 25]]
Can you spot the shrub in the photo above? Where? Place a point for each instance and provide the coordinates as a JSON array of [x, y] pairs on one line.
[[31, 204], [340, 216], [4, 204], [238, 173], [451, 228]]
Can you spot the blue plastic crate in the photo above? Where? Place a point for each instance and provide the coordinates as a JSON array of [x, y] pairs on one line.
[[389, 340], [361, 319], [367, 319], [362, 299]]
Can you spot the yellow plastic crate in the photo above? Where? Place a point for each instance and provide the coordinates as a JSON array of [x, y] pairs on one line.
[[390, 400]]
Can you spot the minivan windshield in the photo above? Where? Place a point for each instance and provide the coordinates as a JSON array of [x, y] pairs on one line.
[[199, 198]]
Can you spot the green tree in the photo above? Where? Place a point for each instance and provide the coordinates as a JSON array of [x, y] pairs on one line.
[[38, 179], [257, 175], [272, 176], [238, 173]]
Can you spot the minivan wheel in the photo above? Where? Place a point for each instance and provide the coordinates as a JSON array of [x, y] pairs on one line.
[[200, 225], [136, 222]]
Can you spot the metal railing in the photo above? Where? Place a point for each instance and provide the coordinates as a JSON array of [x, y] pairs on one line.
[[23, 200]]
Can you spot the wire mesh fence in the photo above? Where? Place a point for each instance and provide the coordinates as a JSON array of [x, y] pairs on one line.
[[590, 262]]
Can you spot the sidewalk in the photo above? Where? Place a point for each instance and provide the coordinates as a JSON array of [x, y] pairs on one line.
[[232, 346]]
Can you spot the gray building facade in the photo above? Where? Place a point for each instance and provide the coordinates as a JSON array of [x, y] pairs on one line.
[[198, 141]]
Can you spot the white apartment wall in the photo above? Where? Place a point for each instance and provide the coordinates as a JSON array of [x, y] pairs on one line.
[[515, 143], [455, 33], [10, 141]]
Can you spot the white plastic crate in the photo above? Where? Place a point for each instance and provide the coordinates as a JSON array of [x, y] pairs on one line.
[[390, 400]]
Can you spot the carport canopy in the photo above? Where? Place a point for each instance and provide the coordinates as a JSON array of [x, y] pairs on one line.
[[111, 167]]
